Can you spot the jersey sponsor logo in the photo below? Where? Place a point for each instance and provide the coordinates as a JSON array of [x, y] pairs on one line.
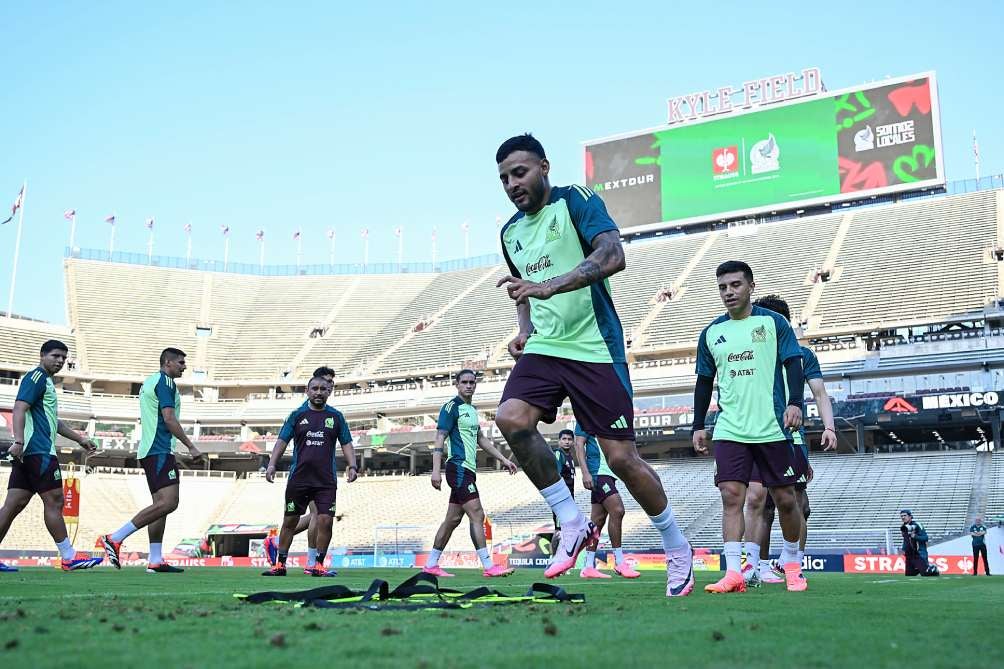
[[315, 434], [518, 247], [959, 400], [720, 340], [304, 422], [733, 373], [899, 405], [789, 471], [741, 357], [759, 334], [542, 263]]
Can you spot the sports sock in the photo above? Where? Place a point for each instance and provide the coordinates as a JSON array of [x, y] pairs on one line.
[[618, 555], [765, 568], [799, 555], [320, 558], [563, 504], [590, 562], [155, 553], [789, 552], [311, 557], [733, 555], [281, 559], [123, 532], [753, 555], [66, 549], [665, 522], [486, 559], [433, 560]]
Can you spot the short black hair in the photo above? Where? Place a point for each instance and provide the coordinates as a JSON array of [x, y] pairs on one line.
[[776, 304], [53, 345], [564, 432], [730, 266], [318, 377], [171, 353], [525, 142], [456, 378], [324, 371]]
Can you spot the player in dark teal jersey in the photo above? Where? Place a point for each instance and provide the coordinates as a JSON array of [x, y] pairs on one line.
[[978, 531], [759, 505], [754, 354], [160, 411], [458, 434], [35, 467], [566, 470], [561, 247]]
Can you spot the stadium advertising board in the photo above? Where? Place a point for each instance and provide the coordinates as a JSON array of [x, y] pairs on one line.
[[896, 564], [878, 139], [908, 407]]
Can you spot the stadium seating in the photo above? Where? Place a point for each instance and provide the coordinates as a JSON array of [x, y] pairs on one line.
[[20, 341]]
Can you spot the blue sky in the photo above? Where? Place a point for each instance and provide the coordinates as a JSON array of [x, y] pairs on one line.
[[381, 115]]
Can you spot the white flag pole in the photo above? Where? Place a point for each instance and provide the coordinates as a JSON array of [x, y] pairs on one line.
[[73, 230], [17, 249]]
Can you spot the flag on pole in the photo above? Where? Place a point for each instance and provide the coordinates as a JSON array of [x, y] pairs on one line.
[[398, 231], [364, 233], [976, 148], [225, 229], [149, 224], [465, 226], [188, 228], [110, 219], [260, 235], [17, 205], [69, 214], [434, 233], [331, 233], [296, 235]]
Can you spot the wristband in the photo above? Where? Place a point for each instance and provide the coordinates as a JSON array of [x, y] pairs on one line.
[[18, 443], [352, 467], [830, 429]]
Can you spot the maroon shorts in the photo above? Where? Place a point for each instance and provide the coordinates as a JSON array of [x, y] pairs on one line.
[[601, 394], [801, 467], [462, 482], [603, 486], [161, 471], [775, 461], [299, 497], [37, 473]]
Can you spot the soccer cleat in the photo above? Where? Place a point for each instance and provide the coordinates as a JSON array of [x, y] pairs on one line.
[[624, 570], [6, 568], [593, 572], [572, 543], [80, 561], [278, 569], [680, 572], [437, 571], [731, 582], [163, 568], [768, 575], [112, 549], [271, 547], [793, 578], [775, 567], [752, 576], [497, 571], [318, 571]]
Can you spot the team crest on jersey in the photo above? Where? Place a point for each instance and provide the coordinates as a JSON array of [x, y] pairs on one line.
[[759, 334], [553, 231], [172, 475], [332, 509], [471, 488], [291, 506], [329, 422], [57, 475], [606, 487]]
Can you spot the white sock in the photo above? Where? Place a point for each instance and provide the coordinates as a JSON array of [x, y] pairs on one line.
[[733, 555], [800, 555], [155, 553], [433, 560], [753, 555], [618, 555], [66, 549], [123, 532], [486, 560], [665, 522], [590, 560], [789, 553], [563, 504], [311, 557]]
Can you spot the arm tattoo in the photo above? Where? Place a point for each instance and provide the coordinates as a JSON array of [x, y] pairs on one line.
[[590, 271]]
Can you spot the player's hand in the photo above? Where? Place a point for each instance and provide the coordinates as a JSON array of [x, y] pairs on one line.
[[517, 345], [88, 445], [16, 451], [587, 481], [437, 480], [809, 474], [511, 466], [793, 417], [195, 454], [351, 474], [521, 290], [701, 441], [270, 474], [828, 440]]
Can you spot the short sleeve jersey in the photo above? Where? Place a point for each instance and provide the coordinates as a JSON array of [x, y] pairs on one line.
[[810, 370], [459, 420], [978, 541], [40, 421], [315, 435], [158, 392], [748, 357], [580, 324], [566, 468], [596, 462]]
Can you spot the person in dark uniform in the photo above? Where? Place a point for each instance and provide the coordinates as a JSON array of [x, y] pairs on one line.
[[978, 531], [914, 544]]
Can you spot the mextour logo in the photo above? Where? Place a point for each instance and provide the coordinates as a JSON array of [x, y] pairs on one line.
[[725, 162], [899, 405]]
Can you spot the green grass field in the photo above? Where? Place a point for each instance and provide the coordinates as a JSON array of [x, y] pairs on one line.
[[130, 618]]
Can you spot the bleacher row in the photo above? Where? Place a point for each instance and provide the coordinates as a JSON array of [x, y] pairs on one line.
[[850, 495], [889, 265]]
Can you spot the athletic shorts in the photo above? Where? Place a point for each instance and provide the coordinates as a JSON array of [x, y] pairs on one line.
[[37, 473], [161, 471], [775, 460], [462, 482], [801, 468], [299, 497], [603, 486], [601, 394]]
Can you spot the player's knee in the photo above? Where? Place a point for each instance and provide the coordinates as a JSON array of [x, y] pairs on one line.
[[784, 499], [513, 424], [756, 499], [732, 497], [624, 464]]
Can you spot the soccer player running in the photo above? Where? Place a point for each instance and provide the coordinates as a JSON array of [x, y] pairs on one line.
[[314, 430], [759, 505], [308, 521], [606, 503], [35, 468], [561, 247], [747, 349], [459, 428], [566, 470], [160, 415]]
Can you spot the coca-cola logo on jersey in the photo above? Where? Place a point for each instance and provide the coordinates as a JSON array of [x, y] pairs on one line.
[[741, 357], [542, 263]]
